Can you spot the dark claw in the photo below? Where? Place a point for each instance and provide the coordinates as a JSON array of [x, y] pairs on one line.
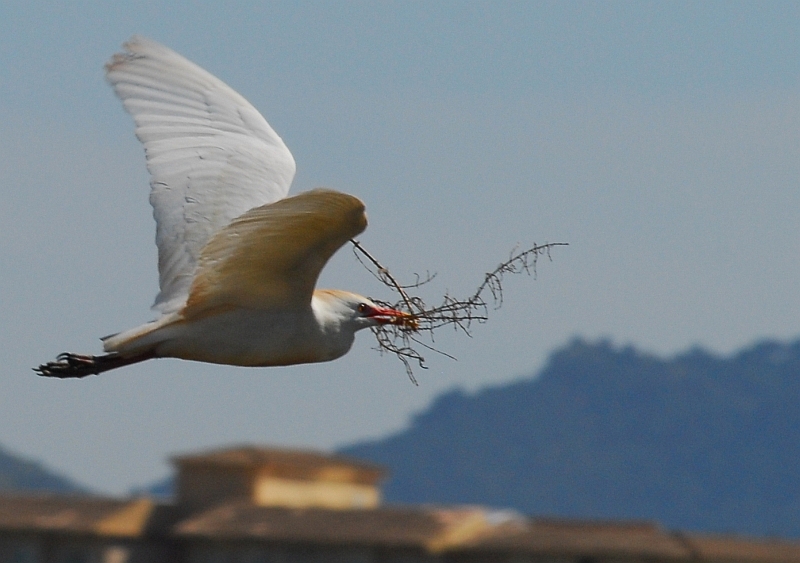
[[69, 365], [80, 365]]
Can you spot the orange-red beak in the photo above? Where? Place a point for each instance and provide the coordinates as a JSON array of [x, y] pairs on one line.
[[387, 315]]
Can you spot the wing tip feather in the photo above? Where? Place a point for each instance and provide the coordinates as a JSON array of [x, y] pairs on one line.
[[133, 48]]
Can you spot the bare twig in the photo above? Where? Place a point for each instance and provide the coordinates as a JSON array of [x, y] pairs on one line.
[[398, 338], [383, 275]]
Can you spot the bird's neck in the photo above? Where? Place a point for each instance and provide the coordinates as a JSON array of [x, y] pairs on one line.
[[336, 333]]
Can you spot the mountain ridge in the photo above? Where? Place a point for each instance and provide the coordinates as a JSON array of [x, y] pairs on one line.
[[18, 474], [696, 441]]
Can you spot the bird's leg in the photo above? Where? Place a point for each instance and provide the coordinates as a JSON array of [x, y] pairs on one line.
[[68, 365]]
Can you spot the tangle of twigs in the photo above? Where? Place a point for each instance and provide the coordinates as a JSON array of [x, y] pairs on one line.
[[400, 339]]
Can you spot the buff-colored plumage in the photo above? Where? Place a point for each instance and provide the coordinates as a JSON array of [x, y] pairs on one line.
[[272, 255]]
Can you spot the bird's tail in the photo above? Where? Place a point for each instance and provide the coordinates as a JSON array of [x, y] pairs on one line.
[[138, 340]]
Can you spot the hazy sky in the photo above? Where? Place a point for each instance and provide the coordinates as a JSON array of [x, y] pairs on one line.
[[661, 140]]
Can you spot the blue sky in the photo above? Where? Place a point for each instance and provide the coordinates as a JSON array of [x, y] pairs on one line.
[[659, 139]]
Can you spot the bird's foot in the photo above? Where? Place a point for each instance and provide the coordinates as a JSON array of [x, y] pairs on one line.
[[69, 365]]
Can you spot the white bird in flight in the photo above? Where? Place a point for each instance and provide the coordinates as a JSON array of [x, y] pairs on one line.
[[238, 260]]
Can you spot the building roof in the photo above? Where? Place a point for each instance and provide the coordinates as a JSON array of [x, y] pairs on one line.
[[426, 528], [82, 515], [472, 530], [740, 549], [285, 462], [419, 527], [583, 538]]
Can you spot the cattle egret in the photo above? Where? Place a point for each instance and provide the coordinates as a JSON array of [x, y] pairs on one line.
[[238, 260]]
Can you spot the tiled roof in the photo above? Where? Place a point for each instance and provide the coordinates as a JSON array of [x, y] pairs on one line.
[[252, 456], [737, 548], [80, 514], [428, 528], [583, 538], [470, 530]]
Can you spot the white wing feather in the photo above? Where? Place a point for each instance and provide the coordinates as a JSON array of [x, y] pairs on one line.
[[210, 154]]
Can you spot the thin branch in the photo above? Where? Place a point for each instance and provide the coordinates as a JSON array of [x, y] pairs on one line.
[[398, 338], [383, 275]]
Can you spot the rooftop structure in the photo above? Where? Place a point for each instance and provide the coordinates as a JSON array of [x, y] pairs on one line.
[[276, 477], [260, 505]]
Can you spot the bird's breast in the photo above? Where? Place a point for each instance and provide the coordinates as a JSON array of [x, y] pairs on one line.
[[246, 337]]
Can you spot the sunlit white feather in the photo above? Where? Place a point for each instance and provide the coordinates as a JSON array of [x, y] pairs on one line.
[[211, 156]]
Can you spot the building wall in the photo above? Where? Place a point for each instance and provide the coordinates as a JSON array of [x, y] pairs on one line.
[[26, 547], [244, 552], [214, 552], [20, 548], [522, 557], [205, 486], [271, 491]]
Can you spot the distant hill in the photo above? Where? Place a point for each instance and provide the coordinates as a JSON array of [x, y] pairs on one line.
[[163, 490], [21, 475], [696, 442]]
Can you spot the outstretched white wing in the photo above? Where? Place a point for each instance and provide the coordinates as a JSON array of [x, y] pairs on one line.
[[210, 154]]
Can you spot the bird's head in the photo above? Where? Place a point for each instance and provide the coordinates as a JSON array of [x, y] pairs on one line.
[[356, 311]]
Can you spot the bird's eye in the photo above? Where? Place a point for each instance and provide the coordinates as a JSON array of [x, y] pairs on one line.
[[362, 308]]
